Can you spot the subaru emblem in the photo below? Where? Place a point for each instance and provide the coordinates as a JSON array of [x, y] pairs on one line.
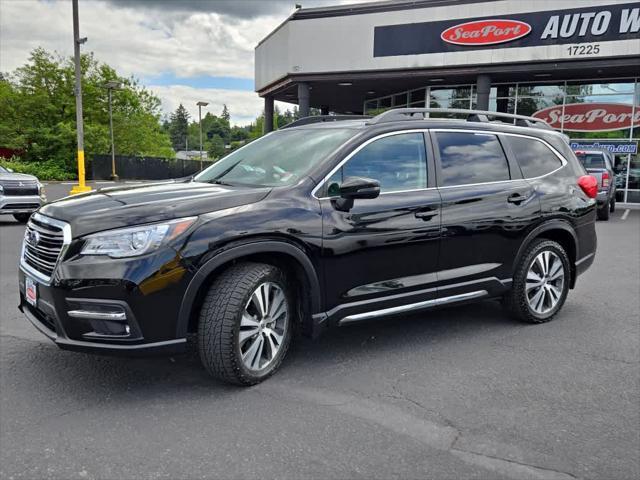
[[33, 237]]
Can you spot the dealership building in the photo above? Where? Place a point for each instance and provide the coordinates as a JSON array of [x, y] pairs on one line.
[[574, 63]]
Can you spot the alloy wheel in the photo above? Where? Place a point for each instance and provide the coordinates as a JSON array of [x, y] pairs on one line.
[[263, 326], [545, 282]]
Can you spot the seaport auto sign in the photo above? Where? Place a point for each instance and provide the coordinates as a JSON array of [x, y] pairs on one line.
[[533, 29], [590, 117]]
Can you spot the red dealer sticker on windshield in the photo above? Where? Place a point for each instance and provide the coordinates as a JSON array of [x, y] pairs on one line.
[[485, 32], [590, 117]]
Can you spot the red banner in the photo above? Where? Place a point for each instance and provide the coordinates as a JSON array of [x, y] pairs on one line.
[[590, 117], [485, 32]]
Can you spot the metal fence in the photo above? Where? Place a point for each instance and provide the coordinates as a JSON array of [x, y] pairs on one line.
[[143, 168]]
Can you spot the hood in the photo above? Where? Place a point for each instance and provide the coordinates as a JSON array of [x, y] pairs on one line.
[[17, 176], [117, 207]]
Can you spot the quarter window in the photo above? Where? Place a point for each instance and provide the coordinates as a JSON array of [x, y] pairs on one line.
[[468, 158], [534, 157], [398, 162]]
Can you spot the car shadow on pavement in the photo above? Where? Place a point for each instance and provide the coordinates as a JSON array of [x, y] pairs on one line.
[[366, 344]]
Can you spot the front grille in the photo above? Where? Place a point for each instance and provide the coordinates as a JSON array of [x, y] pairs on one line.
[[19, 187], [21, 206], [43, 243]]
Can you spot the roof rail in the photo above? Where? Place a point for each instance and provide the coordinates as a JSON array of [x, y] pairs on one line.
[[403, 114], [324, 118]]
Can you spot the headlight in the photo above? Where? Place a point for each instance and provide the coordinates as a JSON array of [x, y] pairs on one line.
[[41, 191], [134, 241]]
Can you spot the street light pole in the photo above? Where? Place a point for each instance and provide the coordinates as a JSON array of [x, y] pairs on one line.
[[77, 41], [200, 105], [112, 85]]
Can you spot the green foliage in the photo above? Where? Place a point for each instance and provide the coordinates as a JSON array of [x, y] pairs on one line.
[[215, 147], [49, 170], [178, 127], [38, 113], [225, 115]]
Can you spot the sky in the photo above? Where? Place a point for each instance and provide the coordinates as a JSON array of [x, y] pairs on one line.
[[183, 50]]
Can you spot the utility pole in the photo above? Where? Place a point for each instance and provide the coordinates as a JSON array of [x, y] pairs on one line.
[[200, 105], [77, 41], [112, 85]]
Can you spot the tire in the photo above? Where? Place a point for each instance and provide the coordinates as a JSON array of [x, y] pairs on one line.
[[521, 297], [603, 212], [612, 204], [230, 326], [22, 217]]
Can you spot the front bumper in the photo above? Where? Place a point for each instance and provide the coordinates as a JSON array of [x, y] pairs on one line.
[[107, 306], [10, 204]]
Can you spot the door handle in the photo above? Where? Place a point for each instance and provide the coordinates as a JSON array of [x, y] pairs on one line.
[[426, 214], [517, 198]]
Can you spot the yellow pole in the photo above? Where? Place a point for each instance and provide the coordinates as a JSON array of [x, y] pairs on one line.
[[81, 187]]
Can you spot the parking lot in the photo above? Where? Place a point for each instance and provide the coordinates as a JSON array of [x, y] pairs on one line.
[[455, 393]]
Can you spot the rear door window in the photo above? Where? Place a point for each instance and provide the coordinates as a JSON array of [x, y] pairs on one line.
[[592, 160], [533, 156], [470, 158]]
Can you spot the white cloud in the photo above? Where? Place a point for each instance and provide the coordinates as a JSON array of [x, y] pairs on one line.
[[134, 41], [147, 42]]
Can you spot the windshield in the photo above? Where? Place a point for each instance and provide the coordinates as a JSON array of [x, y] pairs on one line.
[[591, 160], [280, 158]]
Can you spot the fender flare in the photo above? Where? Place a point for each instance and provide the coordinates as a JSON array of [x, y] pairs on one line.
[[557, 224], [240, 251]]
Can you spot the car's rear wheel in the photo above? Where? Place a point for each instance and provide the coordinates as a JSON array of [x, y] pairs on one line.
[[246, 323], [603, 212], [541, 282], [22, 217]]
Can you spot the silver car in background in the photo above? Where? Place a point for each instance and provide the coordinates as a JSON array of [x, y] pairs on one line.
[[20, 194]]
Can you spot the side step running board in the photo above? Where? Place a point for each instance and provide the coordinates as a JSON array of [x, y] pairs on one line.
[[411, 307]]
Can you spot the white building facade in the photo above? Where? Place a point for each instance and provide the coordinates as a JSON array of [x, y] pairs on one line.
[[575, 63]]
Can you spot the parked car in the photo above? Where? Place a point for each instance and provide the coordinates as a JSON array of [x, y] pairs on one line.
[[20, 194], [599, 163], [318, 225]]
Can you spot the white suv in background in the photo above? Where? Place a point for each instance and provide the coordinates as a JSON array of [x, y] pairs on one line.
[[20, 194]]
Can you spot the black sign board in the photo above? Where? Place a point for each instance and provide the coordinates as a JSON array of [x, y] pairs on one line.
[[556, 27]]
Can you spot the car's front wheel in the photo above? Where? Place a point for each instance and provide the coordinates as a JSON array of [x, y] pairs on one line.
[[246, 323], [541, 282]]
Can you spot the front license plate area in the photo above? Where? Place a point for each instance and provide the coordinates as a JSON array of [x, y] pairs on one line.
[[31, 290]]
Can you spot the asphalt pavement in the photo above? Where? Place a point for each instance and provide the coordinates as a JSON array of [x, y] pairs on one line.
[[458, 393]]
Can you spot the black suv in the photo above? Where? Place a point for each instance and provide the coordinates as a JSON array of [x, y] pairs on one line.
[[313, 226]]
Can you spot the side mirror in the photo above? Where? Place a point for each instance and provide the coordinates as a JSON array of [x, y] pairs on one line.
[[355, 187], [359, 187]]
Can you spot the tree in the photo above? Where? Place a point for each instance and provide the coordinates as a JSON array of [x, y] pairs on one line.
[[38, 111], [215, 147], [239, 134], [178, 128], [226, 116]]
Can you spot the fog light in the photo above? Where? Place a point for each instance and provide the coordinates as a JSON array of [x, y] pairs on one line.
[[106, 329]]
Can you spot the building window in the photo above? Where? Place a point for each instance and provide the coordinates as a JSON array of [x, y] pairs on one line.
[[529, 98]]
